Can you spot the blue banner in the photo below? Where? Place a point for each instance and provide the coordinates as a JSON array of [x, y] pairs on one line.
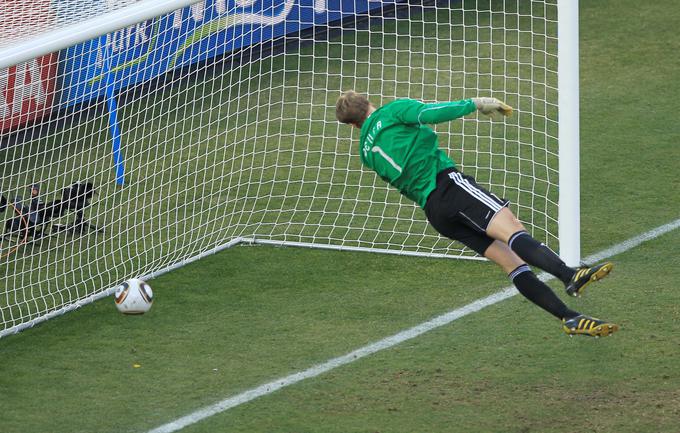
[[207, 29]]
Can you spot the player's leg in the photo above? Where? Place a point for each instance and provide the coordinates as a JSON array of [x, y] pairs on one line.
[[573, 323], [519, 273], [507, 228], [526, 281], [440, 212]]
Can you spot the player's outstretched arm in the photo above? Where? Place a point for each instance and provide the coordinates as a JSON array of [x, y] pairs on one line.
[[492, 106], [415, 112]]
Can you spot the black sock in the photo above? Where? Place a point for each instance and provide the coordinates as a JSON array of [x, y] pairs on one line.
[[539, 293], [539, 255]]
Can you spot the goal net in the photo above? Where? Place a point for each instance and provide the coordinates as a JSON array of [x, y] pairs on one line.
[[138, 150]]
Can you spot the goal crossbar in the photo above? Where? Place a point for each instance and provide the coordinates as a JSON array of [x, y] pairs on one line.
[[62, 37]]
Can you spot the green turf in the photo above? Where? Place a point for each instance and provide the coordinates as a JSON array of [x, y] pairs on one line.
[[251, 314]]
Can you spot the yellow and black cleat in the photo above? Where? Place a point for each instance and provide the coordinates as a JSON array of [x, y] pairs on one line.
[[584, 325], [585, 275]]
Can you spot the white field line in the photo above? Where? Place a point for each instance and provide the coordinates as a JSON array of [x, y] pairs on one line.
[[391, 341]]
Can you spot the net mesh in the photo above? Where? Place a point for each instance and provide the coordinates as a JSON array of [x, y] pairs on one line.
[[23, 19], [224, 124]]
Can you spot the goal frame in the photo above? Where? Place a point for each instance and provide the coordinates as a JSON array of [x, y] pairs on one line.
[[569, 218], [568, 127]]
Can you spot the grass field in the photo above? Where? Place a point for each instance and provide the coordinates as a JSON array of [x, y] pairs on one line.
[[249, 315]]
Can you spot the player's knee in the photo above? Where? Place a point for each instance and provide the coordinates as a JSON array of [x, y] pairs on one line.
[[499, 253], [511, 263], [504, 225], [513, 222]]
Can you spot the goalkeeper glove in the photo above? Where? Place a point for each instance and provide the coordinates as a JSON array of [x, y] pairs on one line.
[[492, 106]]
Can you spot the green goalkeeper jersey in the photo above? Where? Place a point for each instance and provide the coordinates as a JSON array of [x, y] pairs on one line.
[[398, 145]]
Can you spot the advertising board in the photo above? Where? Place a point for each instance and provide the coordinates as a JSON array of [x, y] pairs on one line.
[[207, 29], [26, 89]]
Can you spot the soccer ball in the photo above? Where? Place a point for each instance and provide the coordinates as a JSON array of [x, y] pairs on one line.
[[133, 297]]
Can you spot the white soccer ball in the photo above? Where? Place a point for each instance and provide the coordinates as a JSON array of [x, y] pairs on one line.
[[133, 297]]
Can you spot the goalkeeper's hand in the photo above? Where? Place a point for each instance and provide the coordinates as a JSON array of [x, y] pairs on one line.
[[492, 106]]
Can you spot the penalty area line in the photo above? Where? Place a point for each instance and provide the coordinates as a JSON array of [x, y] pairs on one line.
[[388, 342]]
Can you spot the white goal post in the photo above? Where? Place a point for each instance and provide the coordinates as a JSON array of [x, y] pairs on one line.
[[139, 136]]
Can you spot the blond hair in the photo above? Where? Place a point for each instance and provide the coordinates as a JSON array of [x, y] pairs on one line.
[[352, 108]]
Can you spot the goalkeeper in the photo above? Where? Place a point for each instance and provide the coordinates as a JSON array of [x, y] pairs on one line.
[[398, 145]]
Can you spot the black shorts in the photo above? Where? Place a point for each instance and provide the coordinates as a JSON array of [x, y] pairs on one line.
[[462, 210]]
